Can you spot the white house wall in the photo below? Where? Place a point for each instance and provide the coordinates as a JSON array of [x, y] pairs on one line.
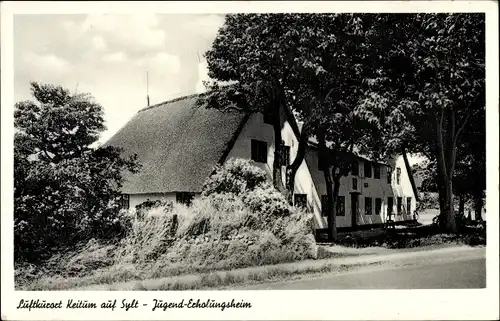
[[367, 187], [255, 128], [309, 180]]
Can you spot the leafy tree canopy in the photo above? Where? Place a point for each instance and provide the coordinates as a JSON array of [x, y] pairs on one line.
[[65, 189]]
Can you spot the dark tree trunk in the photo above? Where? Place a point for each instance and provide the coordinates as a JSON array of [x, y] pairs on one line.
[[333, 212], [461, 205], [442, 190], [478, 207], [277, 180], [292, 169], [445, 154], [332, 228], [409, 171], [450, 223], [330, 189], [441, 196]]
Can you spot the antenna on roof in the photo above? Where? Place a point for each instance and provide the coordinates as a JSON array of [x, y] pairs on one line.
[[76, 89], [198, 55], [147, 87]]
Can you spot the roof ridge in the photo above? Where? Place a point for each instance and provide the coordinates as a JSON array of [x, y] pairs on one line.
[[173, 100]]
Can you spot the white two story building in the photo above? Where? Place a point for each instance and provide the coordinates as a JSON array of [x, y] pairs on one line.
[[179, 145]]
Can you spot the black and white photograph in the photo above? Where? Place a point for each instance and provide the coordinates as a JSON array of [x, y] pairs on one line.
[[246, 151]]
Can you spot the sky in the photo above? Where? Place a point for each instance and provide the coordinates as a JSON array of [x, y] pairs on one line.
[[108, 56]]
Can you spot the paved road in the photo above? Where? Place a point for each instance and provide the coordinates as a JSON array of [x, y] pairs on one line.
[[453, 270]]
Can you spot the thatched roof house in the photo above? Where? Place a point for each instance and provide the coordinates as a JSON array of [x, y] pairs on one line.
[[177, 143]]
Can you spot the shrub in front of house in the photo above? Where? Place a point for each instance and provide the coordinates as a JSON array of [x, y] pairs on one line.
[[240, 220], [237, 176], [213, 234], [147, 207], [234, 224]]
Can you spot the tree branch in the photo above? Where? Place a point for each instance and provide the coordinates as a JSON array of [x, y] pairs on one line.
[[439, 137], [300, 151], [460, 128], [328, 94]]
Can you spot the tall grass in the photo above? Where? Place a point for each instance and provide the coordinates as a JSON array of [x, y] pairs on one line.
[[212, 234]]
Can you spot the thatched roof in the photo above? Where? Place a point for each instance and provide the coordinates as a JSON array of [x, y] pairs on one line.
[[177, 144]]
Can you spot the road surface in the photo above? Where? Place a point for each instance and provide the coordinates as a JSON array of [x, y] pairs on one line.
[[437, 270]]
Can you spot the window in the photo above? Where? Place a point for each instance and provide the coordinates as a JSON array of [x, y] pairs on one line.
[[368, 169], [355, 184], [184, 198], [268, 117], [324, 202], [300, 201], [124, 201], [285, 155], [389, 175], [376, 171], [408, 205], [390, 206], [259, 151], [400, 206], [378, 206], [355, 169], [368, 206], [398, 175], [340, 206]]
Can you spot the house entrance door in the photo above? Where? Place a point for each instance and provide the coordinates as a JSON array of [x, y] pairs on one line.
[[354, 210]]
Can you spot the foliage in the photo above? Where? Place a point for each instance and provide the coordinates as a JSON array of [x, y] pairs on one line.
[[298, 61], [219, 231], [427, 200], [215, 237], [428, 72], [149, 206], [244, 54], [237, 176], [64, 189]]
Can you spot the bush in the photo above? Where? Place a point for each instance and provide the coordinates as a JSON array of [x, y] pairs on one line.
[[237, 176], [267, 201], [222, 230], [240, 220], [147, 207]]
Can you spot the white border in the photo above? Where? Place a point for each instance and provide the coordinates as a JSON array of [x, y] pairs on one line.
[[344, 304]]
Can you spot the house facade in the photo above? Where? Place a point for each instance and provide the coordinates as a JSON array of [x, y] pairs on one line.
[[180, 144]]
